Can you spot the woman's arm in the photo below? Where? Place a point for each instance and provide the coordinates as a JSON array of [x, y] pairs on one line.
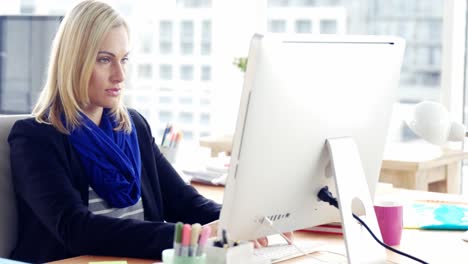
[[181, 202]]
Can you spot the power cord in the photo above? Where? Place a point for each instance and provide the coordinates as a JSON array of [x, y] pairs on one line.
[[326, 196]]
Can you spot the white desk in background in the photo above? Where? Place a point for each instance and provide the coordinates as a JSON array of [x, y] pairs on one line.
[[423, 168]]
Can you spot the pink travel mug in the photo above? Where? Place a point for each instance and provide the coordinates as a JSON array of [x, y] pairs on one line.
[[390, 218]]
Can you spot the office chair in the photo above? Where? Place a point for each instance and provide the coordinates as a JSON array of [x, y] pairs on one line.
[[8, 214]]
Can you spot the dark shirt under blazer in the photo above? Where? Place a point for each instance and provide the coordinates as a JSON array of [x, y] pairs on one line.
[[52, 200]]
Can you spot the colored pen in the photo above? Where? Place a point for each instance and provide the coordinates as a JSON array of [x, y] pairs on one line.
[[196, 228], [164, 135], [204, 235], [173, 139], [167, 131], [185, 240], [178, 238], [177, 139]]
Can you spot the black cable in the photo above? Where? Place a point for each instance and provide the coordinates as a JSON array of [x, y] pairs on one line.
[[326, 196], [387, 246]]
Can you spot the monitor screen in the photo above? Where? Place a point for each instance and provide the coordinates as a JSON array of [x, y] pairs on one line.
[[298, 92]]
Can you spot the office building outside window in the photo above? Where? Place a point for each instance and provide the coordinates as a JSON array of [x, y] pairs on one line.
[[194, 3], [419, 23], [303, 26], [277, 26], [186, 37], [186, 72], [206, 38], [165, 100], [204, 118], [165, 116], [186, 100], [165, 37], [180, 50], [205, 73], [328, 26], [165, 72], [145, 71], [186, 117], [146, 43]]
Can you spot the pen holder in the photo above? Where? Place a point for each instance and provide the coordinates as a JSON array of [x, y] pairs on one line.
[[170, 153], [242, 253], [169, 258]]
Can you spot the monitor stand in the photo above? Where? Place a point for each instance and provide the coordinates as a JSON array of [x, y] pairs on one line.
[[351, 184]]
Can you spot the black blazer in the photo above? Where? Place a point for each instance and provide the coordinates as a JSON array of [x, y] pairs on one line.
[[52, 200]]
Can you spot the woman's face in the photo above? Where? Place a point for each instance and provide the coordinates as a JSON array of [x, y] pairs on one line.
[[107, 79]]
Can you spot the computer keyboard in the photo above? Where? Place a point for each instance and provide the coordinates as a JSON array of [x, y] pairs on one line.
[[280, 252]]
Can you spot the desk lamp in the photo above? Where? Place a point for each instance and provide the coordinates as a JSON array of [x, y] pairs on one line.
[[431, 122]]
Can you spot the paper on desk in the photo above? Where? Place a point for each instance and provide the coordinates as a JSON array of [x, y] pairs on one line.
[[214, 172], [208, 177], [109, 262], [436, 215]]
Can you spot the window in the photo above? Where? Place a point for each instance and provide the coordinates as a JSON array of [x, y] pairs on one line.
[[419, 22], [277, 26], [143, 87], [24, 56], [142, 100], [188, 134], [205, 134], [303, 26], [27, 9], [165, 37], [145, 71], [146, 43], [194, 3], [186, 118], [186, 37], [165, 116], [328, 26], [165, 100], [205, 102], [205, 119], [182, 50], [205, 73], [186, 72], [278, 3], [186, 100], [206, 38], [165, 72]]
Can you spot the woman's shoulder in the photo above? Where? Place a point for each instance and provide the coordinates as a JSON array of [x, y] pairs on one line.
[[31, 127], [142, 127], [138, 120]]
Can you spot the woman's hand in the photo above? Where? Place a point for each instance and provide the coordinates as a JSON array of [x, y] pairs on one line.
[[263, 241], [214, 228]]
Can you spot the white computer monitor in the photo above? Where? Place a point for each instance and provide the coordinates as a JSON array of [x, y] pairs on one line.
[[299, 91]]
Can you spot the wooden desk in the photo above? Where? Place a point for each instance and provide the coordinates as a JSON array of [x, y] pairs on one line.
[[432, 246], [423, 169]]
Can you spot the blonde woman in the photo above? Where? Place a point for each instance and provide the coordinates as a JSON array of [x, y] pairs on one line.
[[88, 176]]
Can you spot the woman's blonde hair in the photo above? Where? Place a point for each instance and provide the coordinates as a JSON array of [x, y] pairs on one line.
[[71, 64]]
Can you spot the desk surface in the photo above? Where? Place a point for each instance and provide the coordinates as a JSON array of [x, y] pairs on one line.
[[412, 158], [431, 246]]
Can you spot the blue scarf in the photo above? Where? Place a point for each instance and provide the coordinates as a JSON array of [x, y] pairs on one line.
[[110, 158]]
